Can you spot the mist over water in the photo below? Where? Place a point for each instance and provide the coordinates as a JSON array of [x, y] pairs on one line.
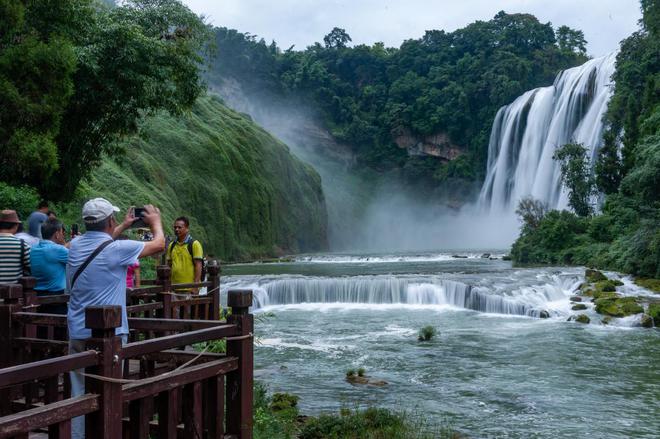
[[394, 221], [368, 212]]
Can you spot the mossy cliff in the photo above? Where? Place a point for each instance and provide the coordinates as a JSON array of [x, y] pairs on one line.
[[245, 194]]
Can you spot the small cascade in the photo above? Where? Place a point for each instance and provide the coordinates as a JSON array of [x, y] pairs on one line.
[[528, 301], [527, 132]]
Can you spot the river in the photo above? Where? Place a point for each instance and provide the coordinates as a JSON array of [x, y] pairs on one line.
[[494, 370]]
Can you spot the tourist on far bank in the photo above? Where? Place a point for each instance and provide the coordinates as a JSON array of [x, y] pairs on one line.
[[14, 252], [51, 215], [37, 218], [29, 239], [96, 275], [48, 260], [185, 255]]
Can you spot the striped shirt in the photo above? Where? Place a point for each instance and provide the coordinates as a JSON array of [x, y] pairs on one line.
[[11, 266]]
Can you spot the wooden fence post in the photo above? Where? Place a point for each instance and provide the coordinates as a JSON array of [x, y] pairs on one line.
[[106, 422], [164, 278], [214, 278], [29, 302], [10, 295], [240, 381]]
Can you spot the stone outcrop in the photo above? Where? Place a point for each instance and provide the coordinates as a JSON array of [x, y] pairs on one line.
[[436, 145]]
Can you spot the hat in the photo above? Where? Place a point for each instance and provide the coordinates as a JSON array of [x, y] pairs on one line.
[[9, 216], [97, 210]]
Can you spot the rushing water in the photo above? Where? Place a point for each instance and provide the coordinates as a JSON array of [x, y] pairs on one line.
[[494, 370], [527, 132]]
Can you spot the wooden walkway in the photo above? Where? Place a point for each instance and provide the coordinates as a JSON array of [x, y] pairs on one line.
[[154, 386]]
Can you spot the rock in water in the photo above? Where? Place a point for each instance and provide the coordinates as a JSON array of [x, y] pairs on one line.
[[579, 307], [575, 299], [583, 318], [544, 314], [594, 275], [646, 321], [485, 256]]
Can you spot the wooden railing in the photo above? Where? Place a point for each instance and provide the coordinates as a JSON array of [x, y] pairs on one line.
[[164, 389]]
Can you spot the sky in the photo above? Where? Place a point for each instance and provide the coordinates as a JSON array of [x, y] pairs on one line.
[[304, 22]]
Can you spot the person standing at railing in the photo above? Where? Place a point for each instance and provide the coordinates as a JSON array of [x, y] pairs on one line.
[[185, 255], [96, 273], [48, 258], [14, 252]]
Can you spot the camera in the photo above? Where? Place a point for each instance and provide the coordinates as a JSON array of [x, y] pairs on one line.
[[138, 213]]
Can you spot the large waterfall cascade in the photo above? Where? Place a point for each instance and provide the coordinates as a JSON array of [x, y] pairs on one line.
[[410, 290], [527, 132]]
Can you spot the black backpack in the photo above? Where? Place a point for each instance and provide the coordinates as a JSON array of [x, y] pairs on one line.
[[190, 251]]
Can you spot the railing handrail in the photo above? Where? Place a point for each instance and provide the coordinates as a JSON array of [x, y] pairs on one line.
[[49, 414], [159, 383], [37, 370], [138, 348]]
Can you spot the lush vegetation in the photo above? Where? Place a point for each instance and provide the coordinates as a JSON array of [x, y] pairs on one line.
[[76, 76], [245, 194], [276, 417], [447, 83], [625, 236], [96, 101]]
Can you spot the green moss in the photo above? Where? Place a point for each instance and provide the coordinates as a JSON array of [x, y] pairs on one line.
[[605, 286], [654, 312], [245, 194], [649, 284], [426, 333], [618, 307], [579, 307], [583, 318], [594, 275], [604, 295]]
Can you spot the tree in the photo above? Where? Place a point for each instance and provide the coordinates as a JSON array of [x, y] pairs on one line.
[[577, 177], [571, 40], [531, 211], [336, 39], [609, 167], [76, 76]]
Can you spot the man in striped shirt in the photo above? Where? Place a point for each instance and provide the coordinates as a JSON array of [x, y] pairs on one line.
[[14, 252]]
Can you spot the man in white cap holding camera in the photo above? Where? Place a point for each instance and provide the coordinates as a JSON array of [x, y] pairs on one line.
[[96, 273]]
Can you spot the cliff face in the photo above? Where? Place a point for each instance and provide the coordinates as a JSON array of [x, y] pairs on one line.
[[437, 145], [245, 193]]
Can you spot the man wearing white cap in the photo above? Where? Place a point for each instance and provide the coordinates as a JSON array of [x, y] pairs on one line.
[[96, 273]]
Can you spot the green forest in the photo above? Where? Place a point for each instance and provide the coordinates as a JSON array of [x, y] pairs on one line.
[[625, 236], [448, 83], [110, 101]]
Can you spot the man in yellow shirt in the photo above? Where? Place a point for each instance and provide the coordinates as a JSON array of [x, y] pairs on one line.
[[185, 255]]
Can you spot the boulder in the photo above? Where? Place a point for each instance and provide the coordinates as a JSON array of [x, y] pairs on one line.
[[646, 321], [605, 285], [606, 320], [579, 307], [459, 256], [485, 256], [506, 257], [594, 275], [544, 314], [575, 299], [583, 318], [618, 307], [654, 312], [365, 380]]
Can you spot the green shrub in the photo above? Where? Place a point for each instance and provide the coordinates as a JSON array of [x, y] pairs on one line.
[[283, 401], [361, 372], [350, 373], [426, 333], [22, 199]]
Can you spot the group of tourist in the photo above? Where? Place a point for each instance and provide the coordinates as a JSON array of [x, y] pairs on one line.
[[94, 268]]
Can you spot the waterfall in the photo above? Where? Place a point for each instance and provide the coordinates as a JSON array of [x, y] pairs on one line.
[[525, 301], [526, 133]]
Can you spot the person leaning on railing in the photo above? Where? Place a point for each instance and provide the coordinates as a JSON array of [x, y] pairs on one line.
[[96, 273]]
